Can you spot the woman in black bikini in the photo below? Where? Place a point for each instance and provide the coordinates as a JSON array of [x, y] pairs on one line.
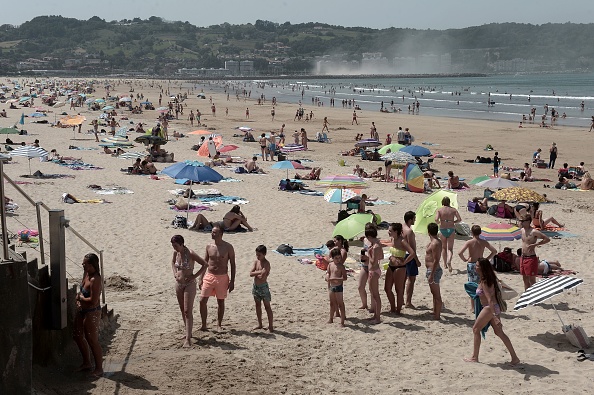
[[401, 253], [88, 316], [182, 265]]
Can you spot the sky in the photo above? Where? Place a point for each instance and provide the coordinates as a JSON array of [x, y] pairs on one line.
[[379, 14]]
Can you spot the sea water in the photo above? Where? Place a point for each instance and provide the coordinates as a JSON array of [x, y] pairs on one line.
[[512, 96]]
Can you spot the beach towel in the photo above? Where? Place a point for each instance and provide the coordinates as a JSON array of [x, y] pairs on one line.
[[68, 198], [322, 250], [230, 179], [113, 191], [428, 143], [559, 273], [309, 192], [39, 175], [192, 209], [470, 289]]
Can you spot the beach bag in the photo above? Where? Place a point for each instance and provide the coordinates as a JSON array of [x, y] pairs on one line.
[[473, 207], [577, 336], [285, 249], [500, 265], [180, 222], [240, 170], [24, 235], [462, 229]]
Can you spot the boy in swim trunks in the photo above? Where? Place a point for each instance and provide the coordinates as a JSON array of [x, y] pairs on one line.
[[529, 261], [434, 271], [260, 291], [335, 276]]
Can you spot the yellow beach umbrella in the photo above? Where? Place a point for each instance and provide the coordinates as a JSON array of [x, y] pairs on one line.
[[519, 194]]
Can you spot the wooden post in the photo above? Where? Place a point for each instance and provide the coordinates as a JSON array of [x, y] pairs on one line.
[[58, 268], [15, 329]]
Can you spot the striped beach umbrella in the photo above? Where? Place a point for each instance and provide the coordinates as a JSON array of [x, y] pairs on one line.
[[342, 181], [497, 182], [500, 232], [339, 195], [132, 155], [292, 148], [29, 152], [399, 157], [546, 289]]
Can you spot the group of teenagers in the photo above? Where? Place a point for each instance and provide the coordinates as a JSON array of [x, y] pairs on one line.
[[403, 267]]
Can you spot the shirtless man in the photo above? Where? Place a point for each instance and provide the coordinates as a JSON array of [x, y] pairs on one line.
[[476, 249], [355, 118], [251, 166], [529, 261], [454, 182], [434, 271], [412, 267], [447, 217], [304, 138], [216, 282], [95, 124]]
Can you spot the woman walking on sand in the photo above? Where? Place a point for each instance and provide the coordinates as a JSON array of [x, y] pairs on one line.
[[182, 265], [447, 217], [492, 303]]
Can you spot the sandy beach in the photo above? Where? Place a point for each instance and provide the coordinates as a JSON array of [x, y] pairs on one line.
[[408, 353]]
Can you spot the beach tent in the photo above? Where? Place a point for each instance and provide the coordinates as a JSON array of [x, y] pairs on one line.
[[426, 211], [203, 150], [413, 178]]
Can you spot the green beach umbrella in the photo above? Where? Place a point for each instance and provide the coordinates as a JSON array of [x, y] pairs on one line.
[[394, 147], [479, 179], [426, 211], [9, 131], [352, 226]]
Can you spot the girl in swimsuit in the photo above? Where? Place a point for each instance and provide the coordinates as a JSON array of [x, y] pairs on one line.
[[86, 322], [396, 273], [447, 217], [375, 255], [182, 265], [490, 297]]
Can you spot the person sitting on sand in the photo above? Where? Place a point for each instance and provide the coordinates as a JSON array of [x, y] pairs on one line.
[[148, 167], [201, 223], [564, 183], [482, 205], [587, 182], [377, 173], [234, 218], [314, 174], [538, 221], [454, 182], [431, 182], [527, 173], [251, 166], [3, 113]]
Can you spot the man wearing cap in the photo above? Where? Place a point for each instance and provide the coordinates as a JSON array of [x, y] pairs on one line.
[[530, 240]]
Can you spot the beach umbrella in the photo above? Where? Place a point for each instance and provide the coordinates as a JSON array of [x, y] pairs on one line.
[[500, 232], [497, 183], [394, 147], [287, 164], [367, 143], [11, 101], [287, 149], [546, 289], [518, 194], [339, 195], [162, 109], [108, 108], [24, 99], [426, 211], [416, 150], [144, 103], [132, 155], [193, 171], [342, 181], [37, 115], [353, 225], [59, 104], [413, 178], [29, 152], [125, 99], [72, 120], [9, 131], [228, 148], [479, 179], [117, 141], [245, 128], [399, 157], [99, 101]]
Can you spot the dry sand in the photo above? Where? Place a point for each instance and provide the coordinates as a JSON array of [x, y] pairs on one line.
[[408, 353]]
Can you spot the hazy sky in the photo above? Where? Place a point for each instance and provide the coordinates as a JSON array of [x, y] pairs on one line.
[[419, 14]]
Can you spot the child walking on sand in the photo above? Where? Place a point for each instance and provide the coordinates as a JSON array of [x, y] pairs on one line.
[[335, 276], [260, 291]]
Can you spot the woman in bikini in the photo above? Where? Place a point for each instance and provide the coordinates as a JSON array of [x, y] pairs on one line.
[[490, 296], [88, 316], [447, 217], [396, 273], [182, 265], [263, 142], [234, 218], [538, 221]]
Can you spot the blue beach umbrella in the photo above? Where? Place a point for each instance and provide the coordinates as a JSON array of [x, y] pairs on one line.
[[287, 164], [416, 150], [193, 171]]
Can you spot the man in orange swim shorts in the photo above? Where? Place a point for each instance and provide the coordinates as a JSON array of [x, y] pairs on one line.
[[216, 281], [529, 261]]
